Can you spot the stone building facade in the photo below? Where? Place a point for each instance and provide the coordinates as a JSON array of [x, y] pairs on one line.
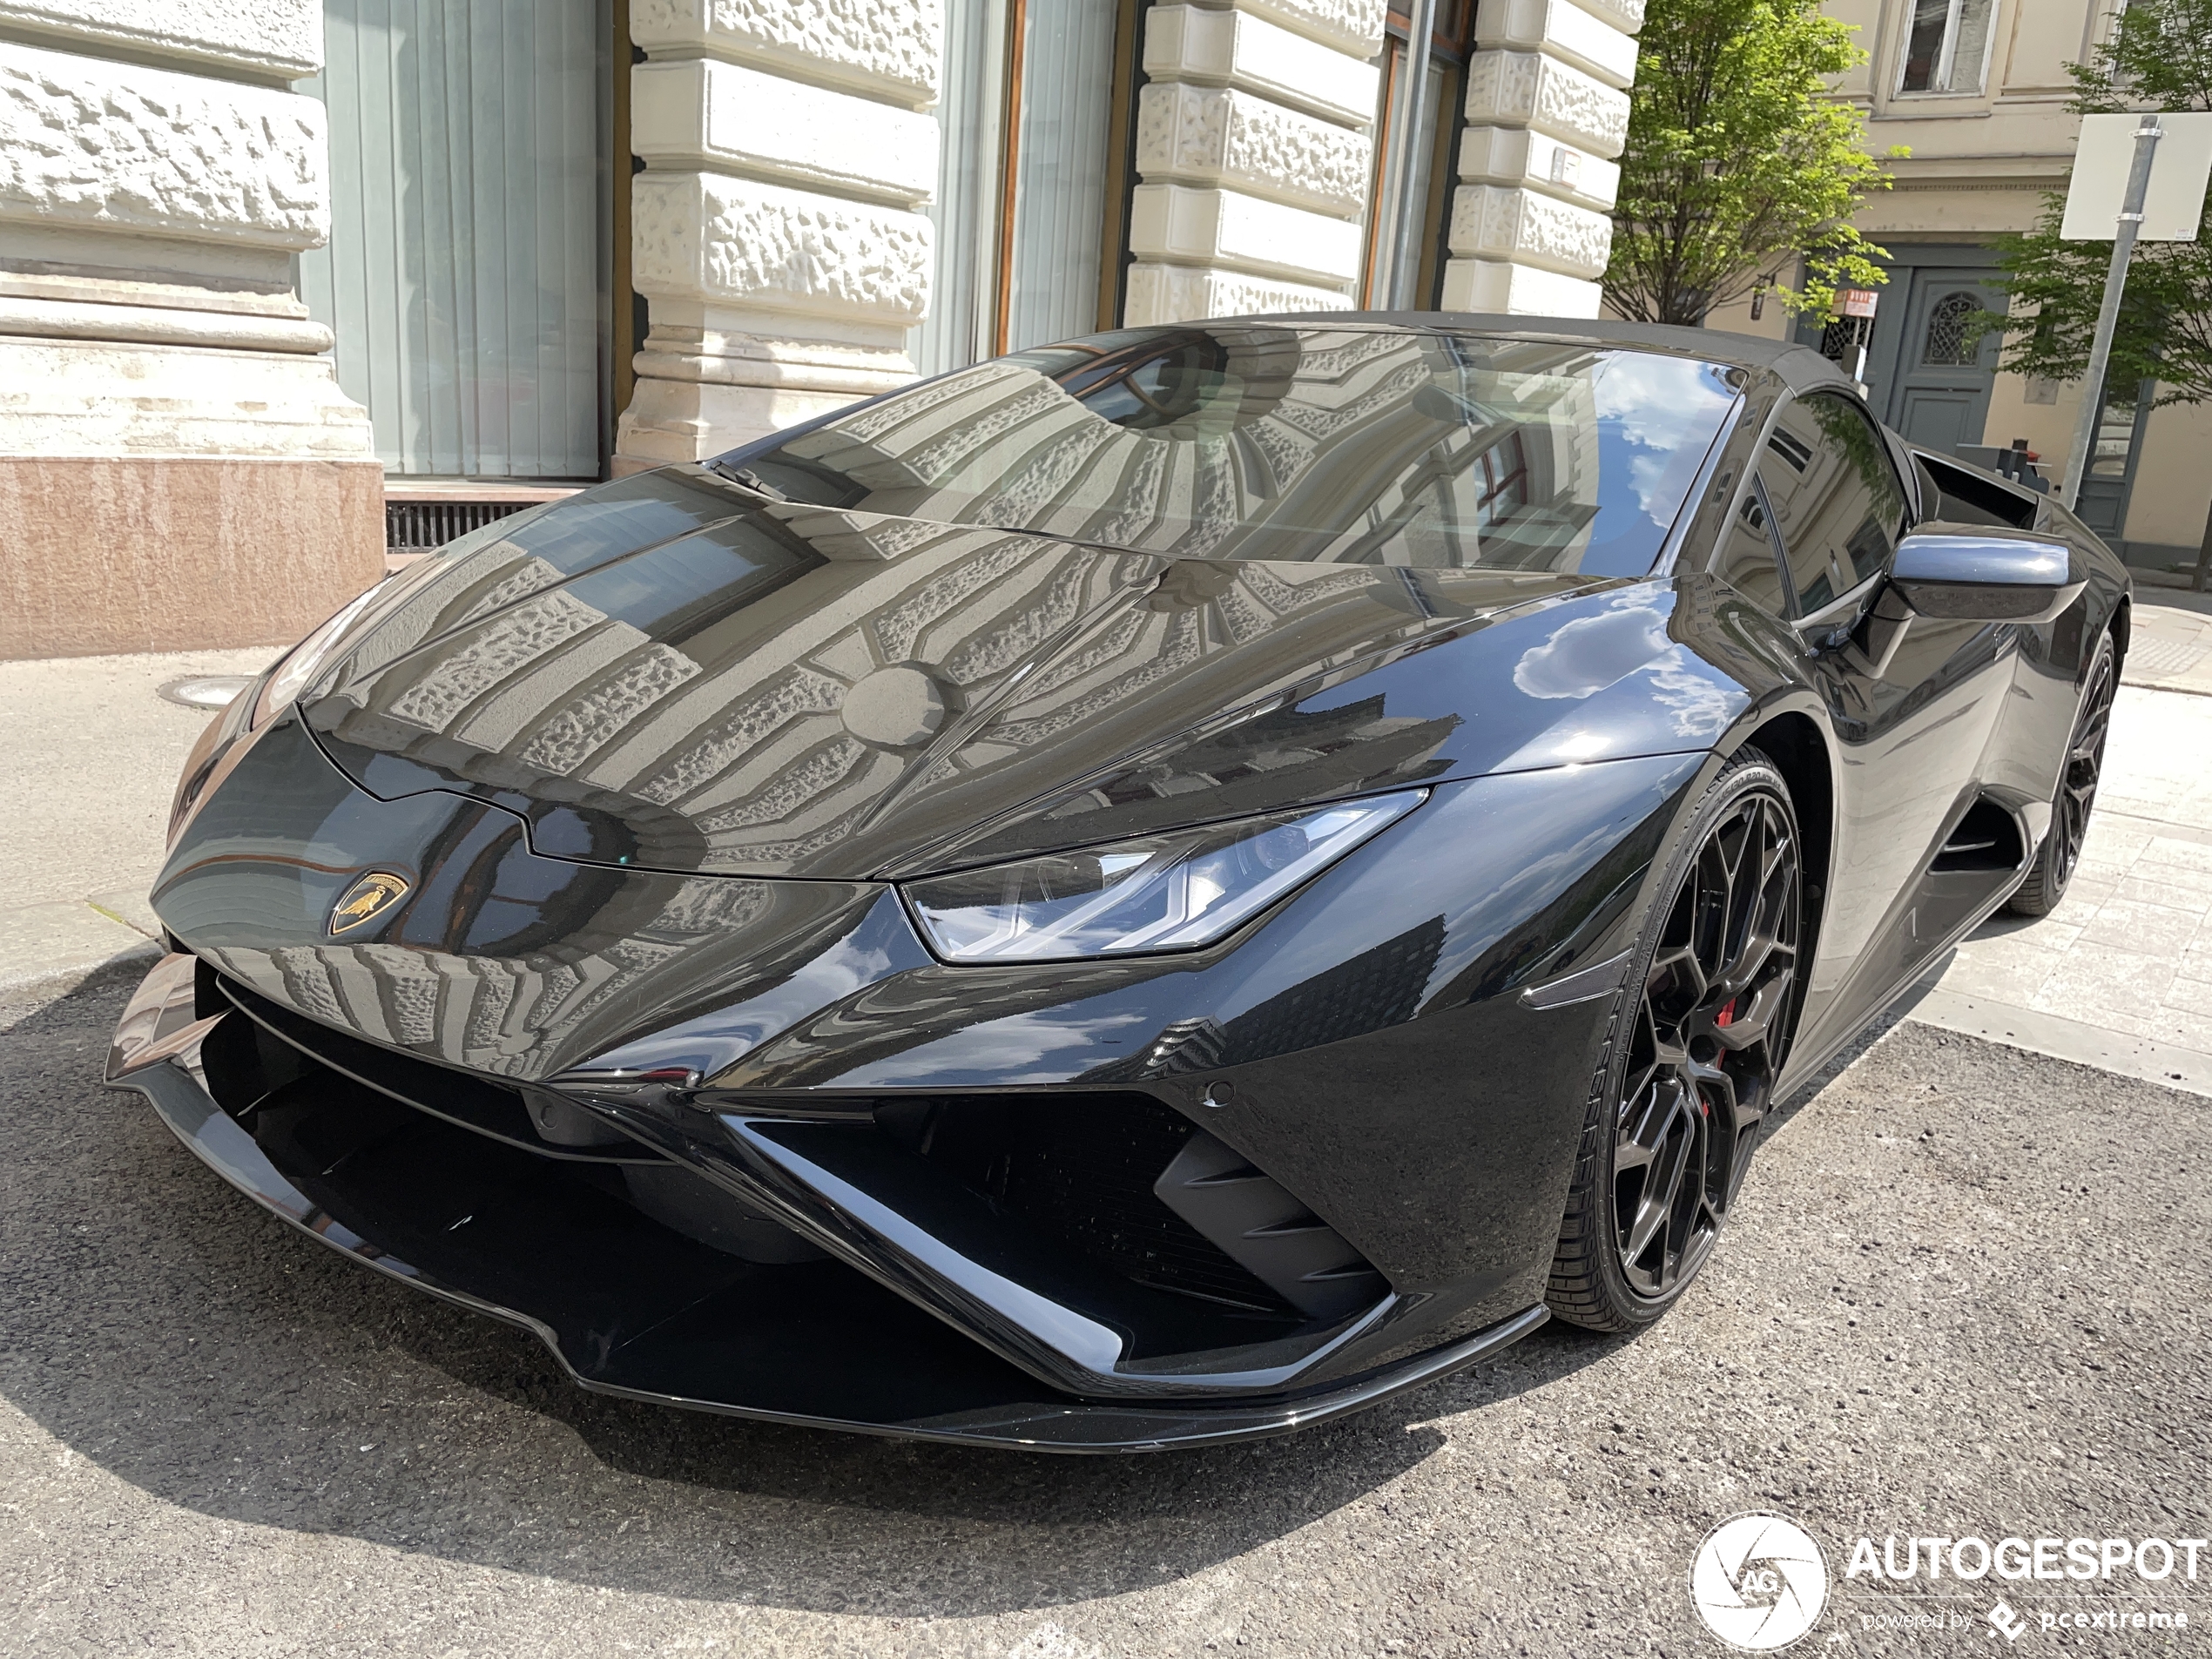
[[1977, 89], [172, 439], [267, 268]]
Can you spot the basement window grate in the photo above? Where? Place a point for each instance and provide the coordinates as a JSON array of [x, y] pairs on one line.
[[420, 526]]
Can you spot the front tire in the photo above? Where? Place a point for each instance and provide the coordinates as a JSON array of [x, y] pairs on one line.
[[1698, 1030], [2060, 852]]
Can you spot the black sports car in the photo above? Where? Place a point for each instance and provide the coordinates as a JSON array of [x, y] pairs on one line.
[[1153, 890]]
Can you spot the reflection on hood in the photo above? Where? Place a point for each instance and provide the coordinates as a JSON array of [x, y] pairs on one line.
[[801, 691]]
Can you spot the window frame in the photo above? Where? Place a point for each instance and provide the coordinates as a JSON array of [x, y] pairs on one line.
[[1852, 601], [1753, 490], [1980, 89]]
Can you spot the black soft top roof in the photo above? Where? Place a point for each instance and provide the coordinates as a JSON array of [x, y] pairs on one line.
[[1797, 367]]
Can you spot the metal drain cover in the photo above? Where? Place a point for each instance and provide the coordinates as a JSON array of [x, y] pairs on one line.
[[207, 691]]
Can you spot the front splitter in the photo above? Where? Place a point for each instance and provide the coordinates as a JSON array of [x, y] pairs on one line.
[[816, 1346]]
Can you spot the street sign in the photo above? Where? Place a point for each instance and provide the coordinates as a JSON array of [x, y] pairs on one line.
[[2174, 204], [1858, 302]]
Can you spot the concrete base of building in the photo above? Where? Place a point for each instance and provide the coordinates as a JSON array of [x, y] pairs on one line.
[[122, 553]]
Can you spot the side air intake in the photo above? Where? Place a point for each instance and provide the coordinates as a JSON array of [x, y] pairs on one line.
[[1987, 837]]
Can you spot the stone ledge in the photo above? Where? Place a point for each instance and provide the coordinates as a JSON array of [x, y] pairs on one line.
[[155, 325], [701, 353], [88, 143], [26, 280], [701, 112], [886, 48], [281, 37], [1183, 43], [1179, 225]]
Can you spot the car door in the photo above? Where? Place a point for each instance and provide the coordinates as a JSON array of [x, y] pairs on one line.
[[1911, 702]]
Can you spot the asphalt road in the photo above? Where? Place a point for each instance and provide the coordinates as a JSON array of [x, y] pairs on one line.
[[1963, 1296]]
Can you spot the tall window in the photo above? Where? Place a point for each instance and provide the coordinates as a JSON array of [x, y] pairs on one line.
[[1946, 47], [1419, 121], [1022, 202], [466, 273]]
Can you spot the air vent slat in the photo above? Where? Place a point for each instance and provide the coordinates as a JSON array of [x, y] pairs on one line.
[[1265, 1227]]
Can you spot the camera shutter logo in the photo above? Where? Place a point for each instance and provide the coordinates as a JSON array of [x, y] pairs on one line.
[[1759, 1581]]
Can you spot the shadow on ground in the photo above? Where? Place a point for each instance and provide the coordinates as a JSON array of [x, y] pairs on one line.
[[178, 1337]]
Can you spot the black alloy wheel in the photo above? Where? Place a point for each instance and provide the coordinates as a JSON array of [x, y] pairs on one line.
[[1699, 1032], [2056, 859]]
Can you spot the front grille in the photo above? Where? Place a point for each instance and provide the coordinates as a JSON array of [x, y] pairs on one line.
[[1080, 1169]]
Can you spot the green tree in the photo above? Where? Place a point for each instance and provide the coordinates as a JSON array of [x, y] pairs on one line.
[[1738, 159], [2159, 58]]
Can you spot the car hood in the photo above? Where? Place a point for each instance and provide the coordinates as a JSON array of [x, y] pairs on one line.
[[670, 674]]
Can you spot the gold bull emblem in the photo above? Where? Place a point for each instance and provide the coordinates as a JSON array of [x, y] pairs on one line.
[[368, 898]]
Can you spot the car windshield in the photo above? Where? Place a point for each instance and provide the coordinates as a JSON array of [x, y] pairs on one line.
[[1352, 445]]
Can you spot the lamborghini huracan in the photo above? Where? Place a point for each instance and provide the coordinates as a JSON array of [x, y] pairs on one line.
[[1153, 890]]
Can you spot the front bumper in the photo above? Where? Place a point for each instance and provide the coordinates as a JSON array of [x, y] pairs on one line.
[[631, 1307]]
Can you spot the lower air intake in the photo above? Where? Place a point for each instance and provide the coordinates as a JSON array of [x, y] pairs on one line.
[[1108, 1177]]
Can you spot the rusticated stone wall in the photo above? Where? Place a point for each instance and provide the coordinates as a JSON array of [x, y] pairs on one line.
[[1255, 152], [787, 143], [156, 180], [1547, 111]]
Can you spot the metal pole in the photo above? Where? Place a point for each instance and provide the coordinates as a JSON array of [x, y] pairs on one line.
[[1412, 216], [2123, 249], [1405, 136]]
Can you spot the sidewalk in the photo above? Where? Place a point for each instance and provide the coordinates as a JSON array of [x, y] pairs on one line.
[[89, 757], [2172, 647]]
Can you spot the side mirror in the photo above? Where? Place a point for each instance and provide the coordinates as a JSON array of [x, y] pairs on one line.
[[1974, 574]]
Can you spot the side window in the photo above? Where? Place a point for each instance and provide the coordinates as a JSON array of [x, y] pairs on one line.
[[1749, 561], [1834, 497]]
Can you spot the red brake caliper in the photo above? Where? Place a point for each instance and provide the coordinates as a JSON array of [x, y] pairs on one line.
[[1720, 1020]]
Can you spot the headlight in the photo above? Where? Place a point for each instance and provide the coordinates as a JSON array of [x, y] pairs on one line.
[[300, 664], [1171, 892]]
